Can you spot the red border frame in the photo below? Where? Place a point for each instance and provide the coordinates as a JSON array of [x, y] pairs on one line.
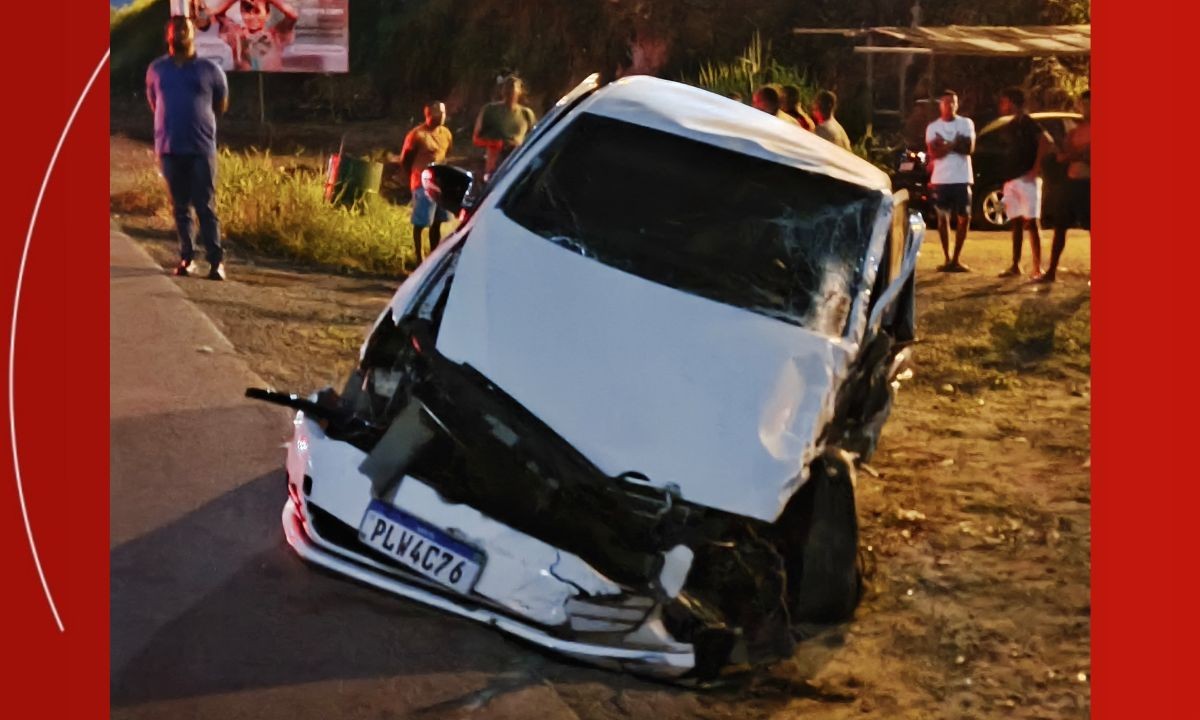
[[1142, 496], [61, 362]]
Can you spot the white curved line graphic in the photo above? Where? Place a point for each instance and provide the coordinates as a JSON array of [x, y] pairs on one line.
[[12, 340]]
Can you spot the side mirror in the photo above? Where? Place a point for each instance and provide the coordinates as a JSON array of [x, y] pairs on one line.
[[447, 186], [893, 302]]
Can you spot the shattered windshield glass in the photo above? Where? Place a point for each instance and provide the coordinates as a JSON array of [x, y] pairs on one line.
[[726, 226]]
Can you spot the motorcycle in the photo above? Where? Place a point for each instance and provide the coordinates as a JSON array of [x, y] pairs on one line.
[[910, 171]]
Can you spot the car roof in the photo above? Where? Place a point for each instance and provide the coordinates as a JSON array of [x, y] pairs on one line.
[[1005, 119], [710, 118]]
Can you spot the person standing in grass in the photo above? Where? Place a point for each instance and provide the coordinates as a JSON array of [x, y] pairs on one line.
[[790, 104], [1075, 206], [186, 94], [766, 98], [425, 145], [950, 140], [1026, 143], [502, 126], [824, 104]]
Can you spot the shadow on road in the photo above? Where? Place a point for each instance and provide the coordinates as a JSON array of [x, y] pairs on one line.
[[216, 603], [116, 272], [271, 621]]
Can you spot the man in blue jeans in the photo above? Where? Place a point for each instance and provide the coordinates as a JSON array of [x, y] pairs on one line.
[[186, 93]]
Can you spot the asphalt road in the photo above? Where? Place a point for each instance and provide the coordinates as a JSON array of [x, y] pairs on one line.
[[212, 615]]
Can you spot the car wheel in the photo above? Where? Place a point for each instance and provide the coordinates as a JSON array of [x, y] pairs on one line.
[[824, 577], [991, 210]]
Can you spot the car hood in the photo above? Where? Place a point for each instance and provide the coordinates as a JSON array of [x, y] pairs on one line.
[[724, 404]]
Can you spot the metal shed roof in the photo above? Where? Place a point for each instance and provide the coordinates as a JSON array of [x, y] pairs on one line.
[[991, 40]]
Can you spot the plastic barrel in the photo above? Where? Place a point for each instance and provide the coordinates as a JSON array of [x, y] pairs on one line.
[[350, 179]]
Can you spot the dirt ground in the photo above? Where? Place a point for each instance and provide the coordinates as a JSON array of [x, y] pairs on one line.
[[974, 512]]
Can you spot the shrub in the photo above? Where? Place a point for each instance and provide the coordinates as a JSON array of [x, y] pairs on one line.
[[277, 206], [755, 67]]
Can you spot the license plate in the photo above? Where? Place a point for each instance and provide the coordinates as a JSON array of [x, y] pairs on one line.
[[420, 546], [906, 166]]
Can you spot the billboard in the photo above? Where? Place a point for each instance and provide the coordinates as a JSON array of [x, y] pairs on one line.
[[271, 35]]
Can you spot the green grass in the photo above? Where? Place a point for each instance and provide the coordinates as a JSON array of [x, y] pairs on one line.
[[276, 206], [755, 67], [978, 332]]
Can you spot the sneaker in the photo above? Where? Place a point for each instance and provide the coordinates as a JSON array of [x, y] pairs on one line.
[[217, 272], [184, 268]]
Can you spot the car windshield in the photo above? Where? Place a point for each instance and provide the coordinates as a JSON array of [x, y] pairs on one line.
[[716, 223]]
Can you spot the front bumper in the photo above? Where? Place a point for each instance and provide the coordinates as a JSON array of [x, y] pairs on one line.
[[313, 549], [529, 589]]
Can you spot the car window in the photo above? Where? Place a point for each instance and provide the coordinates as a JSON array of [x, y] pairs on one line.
[[716, 223]]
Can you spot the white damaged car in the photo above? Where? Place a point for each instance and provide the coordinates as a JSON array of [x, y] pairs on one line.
[[617, 412]]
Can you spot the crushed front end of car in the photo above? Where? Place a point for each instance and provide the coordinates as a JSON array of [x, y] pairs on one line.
[[584, 423]]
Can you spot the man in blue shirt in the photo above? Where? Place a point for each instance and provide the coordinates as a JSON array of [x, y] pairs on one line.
[[186, 93]]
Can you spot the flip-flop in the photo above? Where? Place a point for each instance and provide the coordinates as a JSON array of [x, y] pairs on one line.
[[958, 268], [1011, 272]]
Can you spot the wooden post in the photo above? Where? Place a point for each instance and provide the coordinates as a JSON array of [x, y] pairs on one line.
[[870, 84], [933, 89]]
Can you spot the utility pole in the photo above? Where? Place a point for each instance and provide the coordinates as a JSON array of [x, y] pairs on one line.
[[916, 22], [902, 103]]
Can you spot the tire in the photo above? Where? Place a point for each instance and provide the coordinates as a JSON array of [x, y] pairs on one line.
[[829, 585], [990, 211]]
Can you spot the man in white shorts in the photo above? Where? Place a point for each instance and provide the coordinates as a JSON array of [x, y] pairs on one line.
[[950, 140], [1026, 144]]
